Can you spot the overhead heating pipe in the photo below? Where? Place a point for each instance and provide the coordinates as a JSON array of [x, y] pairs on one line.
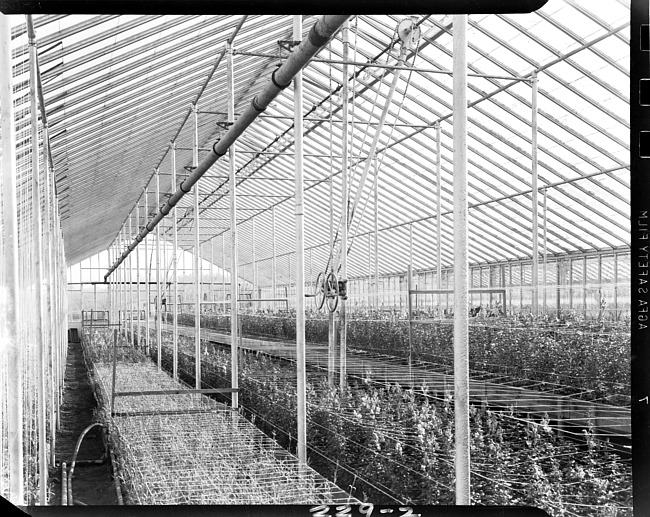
[[320, 33]]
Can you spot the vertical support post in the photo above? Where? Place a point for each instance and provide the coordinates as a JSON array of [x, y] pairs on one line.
[[409, 288], [175, 271], [138, 275], [438, 216], [158, 277], [616, 286], [535, 188], [344, 207], [130, 283], [254, 295], [461, 342], [223, 268], [37, 257], [544, 266], [584, 284], [376, 236], [197, 258], [273, 260], [147, 273], [114, 371], [300, 257], [51, 285], [234, 292], [211, 297]]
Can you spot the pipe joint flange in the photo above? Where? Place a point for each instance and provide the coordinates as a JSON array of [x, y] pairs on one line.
[[256, 106], [214, 149], [182, 189], [277, 84]]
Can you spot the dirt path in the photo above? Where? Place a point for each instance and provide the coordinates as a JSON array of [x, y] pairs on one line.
[[92, 484]]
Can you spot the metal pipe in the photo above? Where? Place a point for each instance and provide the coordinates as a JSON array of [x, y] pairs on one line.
[[130, 283], [545, 252], [175, 270], [535, 192], [158, 292], [137, 266], [376, 235], [273, 260], [223, 266], [234, 292], [461, 334], [319, 35], [300, 257], [147, 272], [375, 141], [37, 258], [344, 207], [197, 262], [438, 217]]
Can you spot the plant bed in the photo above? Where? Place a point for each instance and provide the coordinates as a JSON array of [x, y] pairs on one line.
[[586, 360], [390, 444], [189, 449]]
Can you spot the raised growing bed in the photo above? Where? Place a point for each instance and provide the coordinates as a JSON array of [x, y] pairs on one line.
[[390, 444], [188, 448], [584, 360]]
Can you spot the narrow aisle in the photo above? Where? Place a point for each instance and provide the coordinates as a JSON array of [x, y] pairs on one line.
[[92, 484]]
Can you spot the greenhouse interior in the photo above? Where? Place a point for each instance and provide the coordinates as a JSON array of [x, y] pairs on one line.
[[336, 261]]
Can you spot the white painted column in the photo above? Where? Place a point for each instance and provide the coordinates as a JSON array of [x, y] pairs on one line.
[[438, 216], [461, 334], [300, 256], [158, 277], [175, 270], [138, 275], [535, 193], [234, 291], [197, 258], [147, 273], [344, 208], [37, 258]]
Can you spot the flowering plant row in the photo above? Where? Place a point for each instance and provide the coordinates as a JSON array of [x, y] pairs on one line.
[[586, 361], [389, 444]]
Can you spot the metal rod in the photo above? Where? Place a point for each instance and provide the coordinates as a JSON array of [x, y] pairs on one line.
[[197, 261], [273, 258], [344, 208], [37, 257], [175, 270], [534, 200], [545, 250], [212, 269], [114, 370], [137, 266], [234, 252], [171, 392], [158, 280], [318, 36], [130, 283], [438, 218], [147, 272], [389, 67], [223, 266], [376, 235], [375, 141], [205, 84], [461, 334], [300, 257]]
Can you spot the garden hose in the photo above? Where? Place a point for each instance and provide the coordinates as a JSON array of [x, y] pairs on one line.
[[74, 460]]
